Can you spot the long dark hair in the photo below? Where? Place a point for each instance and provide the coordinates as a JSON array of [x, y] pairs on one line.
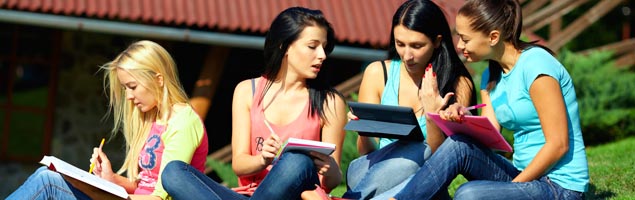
[[424, 16], [502, 15], [284, 30]]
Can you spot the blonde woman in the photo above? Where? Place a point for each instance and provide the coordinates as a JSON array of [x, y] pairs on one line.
[[151, 109]]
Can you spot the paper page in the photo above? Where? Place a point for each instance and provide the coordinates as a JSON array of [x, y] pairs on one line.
[[81, 175]]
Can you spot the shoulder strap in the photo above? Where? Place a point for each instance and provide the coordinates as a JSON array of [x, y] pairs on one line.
[[383, 64], [253, 86]]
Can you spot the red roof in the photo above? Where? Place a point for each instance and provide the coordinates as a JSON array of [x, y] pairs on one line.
[[355, 21]]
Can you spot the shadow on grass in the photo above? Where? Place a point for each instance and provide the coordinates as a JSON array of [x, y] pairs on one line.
[[593, 193]]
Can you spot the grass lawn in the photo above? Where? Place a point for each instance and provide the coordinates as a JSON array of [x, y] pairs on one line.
[[612, 168]]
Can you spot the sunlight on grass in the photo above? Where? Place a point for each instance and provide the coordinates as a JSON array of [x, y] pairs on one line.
[[611, 168]]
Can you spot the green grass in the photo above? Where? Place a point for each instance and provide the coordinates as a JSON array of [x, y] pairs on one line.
[[611, 167]]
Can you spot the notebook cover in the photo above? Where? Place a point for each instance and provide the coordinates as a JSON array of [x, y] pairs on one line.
[[477, 127]]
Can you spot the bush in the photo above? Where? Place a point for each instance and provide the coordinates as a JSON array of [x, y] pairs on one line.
[[604, 96]]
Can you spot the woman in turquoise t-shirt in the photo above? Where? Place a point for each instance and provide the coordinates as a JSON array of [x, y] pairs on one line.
[[527, 91]]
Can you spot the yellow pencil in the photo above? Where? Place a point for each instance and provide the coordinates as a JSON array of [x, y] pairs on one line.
[[92, 165]]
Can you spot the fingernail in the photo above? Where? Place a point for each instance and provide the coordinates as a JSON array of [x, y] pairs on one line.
[[434, 74], [356, 118]]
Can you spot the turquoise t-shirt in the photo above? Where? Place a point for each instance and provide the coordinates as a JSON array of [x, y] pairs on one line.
[[515, 111], [390, 96]]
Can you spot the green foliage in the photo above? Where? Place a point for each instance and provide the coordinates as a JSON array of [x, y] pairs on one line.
[[224, 171], [349, 153], [605, 96]]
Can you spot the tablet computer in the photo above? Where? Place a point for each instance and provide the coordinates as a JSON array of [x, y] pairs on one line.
[[386, 121]]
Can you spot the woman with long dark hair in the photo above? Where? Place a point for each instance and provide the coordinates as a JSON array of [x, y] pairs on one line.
[[290, 99], [423, 72]]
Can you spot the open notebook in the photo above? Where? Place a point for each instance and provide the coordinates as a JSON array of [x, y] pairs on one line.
[[69, 170], [306, 146]]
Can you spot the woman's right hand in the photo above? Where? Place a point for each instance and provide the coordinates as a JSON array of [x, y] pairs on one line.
[[270, 149], [102, 168]]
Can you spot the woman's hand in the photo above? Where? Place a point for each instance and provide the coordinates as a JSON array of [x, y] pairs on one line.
[[270, 149], [454, 112], [351, 116], [429, 92], [102, 168], [324, 164]]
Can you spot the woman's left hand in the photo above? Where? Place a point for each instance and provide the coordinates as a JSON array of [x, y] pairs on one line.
[[324, 164], [429, 92]]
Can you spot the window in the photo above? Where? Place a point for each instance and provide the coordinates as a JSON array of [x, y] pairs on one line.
[[28, 65]]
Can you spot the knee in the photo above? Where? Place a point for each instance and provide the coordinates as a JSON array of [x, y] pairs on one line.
[[174, 165], [43, 173], [357, 164], [467, 191], [173, 170], [455, 143], [298, 159], [296, 163]]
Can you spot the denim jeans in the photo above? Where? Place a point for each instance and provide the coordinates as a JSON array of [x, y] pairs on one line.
[[292, 174], [384, 171], [46, 184], [490, 176]]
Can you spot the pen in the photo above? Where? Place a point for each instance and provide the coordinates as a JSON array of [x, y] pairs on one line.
[[477, 106], [92, 165]]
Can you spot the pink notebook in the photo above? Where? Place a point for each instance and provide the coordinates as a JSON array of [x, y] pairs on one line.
[[477, 127]]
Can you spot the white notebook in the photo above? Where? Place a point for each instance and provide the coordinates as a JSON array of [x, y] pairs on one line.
[[63, 167], [306, 146]]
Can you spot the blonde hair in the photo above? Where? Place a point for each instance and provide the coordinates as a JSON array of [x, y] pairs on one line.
[[146, 61]]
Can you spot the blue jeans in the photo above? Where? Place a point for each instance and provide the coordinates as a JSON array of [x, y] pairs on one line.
[[385, 171], [46, 184], [292, 174], [490, 176]]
